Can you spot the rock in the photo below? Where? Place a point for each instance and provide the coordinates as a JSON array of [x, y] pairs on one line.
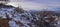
[[4, 22]]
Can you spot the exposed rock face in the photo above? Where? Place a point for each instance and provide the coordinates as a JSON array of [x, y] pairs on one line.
[[17, 17], [4, 22]]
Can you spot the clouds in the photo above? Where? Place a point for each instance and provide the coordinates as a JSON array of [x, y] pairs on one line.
[[35, 4], [31, 5]]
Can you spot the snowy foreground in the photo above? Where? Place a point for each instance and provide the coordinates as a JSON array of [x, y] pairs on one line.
[[21, 18]]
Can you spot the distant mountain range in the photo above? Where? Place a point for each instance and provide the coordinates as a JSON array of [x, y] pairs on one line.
[[57, 9]]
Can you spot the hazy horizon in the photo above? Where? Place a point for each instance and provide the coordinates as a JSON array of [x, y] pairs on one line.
[[36, 4]]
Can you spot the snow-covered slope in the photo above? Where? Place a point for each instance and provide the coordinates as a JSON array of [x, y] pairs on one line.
[[20, 18]]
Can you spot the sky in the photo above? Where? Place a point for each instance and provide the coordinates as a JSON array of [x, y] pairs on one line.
[[35, 4]]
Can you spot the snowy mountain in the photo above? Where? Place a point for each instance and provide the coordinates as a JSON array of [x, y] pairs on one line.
[[16, 15], [21, 18]]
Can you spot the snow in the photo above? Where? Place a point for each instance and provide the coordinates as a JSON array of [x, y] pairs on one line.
[[58, 22], [13, 24], [3, 12], [18, 17]]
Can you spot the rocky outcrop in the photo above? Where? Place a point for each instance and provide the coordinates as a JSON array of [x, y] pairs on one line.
[[4, 22]]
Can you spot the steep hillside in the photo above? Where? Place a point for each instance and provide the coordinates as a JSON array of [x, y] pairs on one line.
[[17, 17]]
